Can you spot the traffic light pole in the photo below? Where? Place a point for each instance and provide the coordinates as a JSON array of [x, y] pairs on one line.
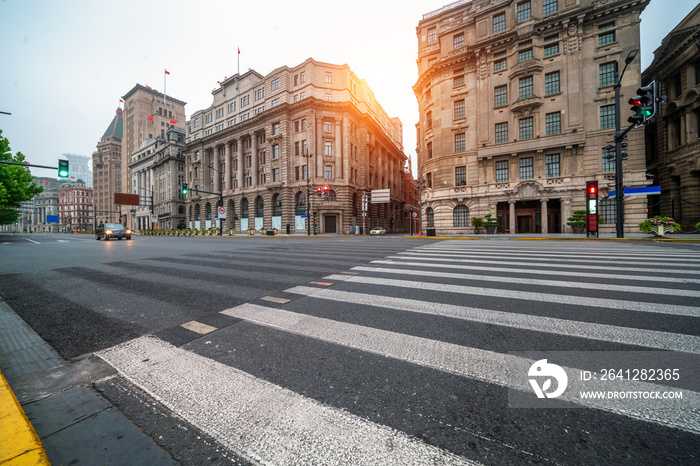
[[619, 138]]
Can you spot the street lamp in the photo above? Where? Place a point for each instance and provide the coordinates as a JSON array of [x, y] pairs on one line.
[[619, 138], [308, 188]]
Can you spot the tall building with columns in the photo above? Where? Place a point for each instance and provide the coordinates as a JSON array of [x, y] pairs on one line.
[[268, 142], [517, 102]]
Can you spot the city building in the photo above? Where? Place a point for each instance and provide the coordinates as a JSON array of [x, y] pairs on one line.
[[80, 168], [517, 103], [267, 141], [75, 209], [673, 137], [45, 204], [157, 172], [411, 201], [107, 170], [148, 114]]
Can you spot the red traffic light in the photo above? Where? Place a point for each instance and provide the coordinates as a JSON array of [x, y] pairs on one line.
[[592, 189], [635, 101], [319, 189], [325, 188]]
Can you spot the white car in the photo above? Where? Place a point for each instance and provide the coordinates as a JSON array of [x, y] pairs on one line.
[[378, 231]]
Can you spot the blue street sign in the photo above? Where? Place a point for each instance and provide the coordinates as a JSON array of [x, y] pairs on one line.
[[52, 219], [643, 191]]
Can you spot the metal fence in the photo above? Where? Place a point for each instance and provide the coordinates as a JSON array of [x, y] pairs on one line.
[[686, 213]]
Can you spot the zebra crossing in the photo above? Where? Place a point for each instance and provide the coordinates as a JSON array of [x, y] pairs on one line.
[[404, 358]]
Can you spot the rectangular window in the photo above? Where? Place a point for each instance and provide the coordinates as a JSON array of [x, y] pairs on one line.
[[606, 74], [608, 160], [502, 171], [328, 97], [432, 36], [461, 176], [499, 23], [607, 34], [607, 116], [458, 81], [524, 11], [552, 165], [553, 123], [276, 129], [524, 55], [430, 150], [327, 127], [328, 148], [526, 168], [551, 83], [500, 65], [526, 128], [329, 77], [549, 7], [328, 172], [525, 90], [245, 100], [297, 148], [429, 120], [302, 78], [501, 133], [275, 174], [458, 40], [500, 96], [552, 49], [275, 84], [460, 142], [275, 151], [459, 109], [259, 94]]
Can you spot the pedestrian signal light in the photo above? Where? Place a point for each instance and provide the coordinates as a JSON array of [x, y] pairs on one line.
[[63, 169]]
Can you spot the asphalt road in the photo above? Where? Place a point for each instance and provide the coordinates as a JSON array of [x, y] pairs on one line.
[[382, 350]]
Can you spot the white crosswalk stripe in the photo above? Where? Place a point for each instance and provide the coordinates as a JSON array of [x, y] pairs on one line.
[[620, 297]]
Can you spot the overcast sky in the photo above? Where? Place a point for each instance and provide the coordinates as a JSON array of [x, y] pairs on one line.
[[66, 63]]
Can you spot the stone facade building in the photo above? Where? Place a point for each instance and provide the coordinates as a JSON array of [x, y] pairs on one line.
[[107, 171], [673, 137], [516, 103], [75, 210], [80, 168], [157, 173], [266, 139], [148, 114]]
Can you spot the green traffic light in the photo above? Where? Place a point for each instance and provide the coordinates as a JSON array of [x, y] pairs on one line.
[[63, 169]]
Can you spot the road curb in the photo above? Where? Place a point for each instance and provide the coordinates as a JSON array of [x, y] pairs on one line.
[[20, 444]]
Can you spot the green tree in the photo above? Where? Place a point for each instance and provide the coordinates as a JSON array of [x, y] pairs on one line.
[[16, 184]]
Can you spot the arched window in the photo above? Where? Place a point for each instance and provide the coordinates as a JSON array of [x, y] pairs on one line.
[[259, 207], [197, 213], [331, 195], [460, 216], [276, 205], [430, 217], [244, 208], [207, 212], [301, 203]]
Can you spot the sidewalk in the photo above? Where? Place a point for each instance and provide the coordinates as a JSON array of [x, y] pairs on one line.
[[677, 237], [67, 421]]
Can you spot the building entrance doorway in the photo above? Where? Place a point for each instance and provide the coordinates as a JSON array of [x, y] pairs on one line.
[[528, 217], [331, 224]]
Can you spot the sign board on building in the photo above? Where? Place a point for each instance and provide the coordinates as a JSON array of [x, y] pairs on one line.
[[643, 191], [380, 196], [126, 199], [52, 219]]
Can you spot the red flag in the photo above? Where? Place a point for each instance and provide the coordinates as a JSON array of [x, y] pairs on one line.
[[239, 50], [121, 100], [148, 87], [150, 118], [173, 122], [167, 72]]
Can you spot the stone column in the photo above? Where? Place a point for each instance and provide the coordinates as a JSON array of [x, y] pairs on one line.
[[239, 157], [255, 164], [320, 148], [545, 223], [227, 164], [511, 224], [338, 149], [217, 169]]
